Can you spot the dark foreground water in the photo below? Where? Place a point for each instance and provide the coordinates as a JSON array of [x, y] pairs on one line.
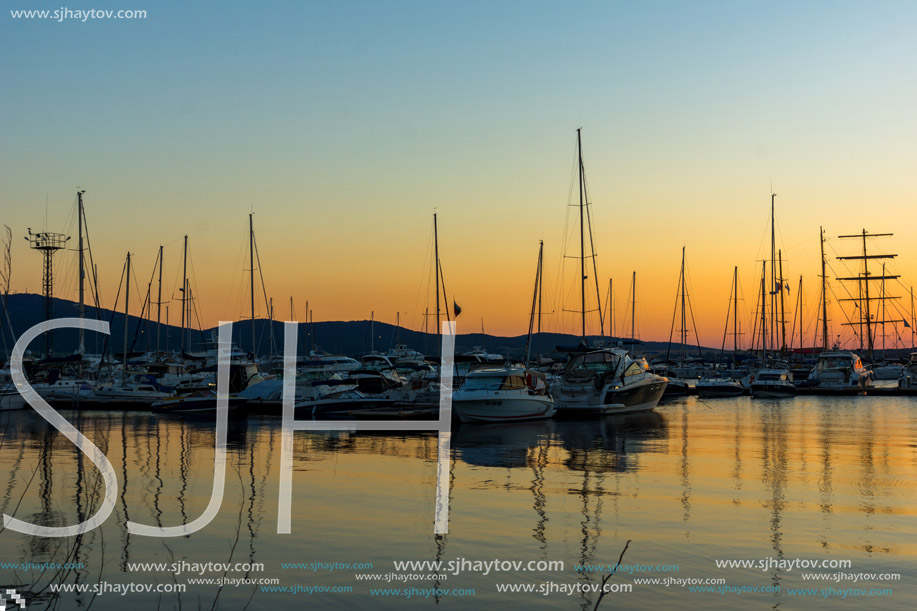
[[775, 483]]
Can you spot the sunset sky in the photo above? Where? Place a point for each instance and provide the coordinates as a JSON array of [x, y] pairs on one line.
[[345, 125]]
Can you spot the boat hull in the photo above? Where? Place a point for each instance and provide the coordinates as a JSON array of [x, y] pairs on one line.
[[639, 397], [502, 409], [768, 391], [714, 391], [201, 405], [10, 401]]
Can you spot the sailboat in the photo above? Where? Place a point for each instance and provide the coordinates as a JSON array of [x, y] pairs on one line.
[[602, 380], [506, 394], [721, 384], [773, 379], [134, 389]]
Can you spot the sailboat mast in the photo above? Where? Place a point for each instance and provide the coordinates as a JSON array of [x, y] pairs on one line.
[[883, 311], [782, 306], [824, 302], [866, 284], [184, 293], [799, 296], [611, 310], [582, 245], [735, 314], [79, 205], [271, 325], [764, 312], [773, 287], [251, 271], [541, 284], [159, 301], [535, 303], [372, 331], [633, 307], [436, 265], [913, 322], [684, 330], [127, 297]]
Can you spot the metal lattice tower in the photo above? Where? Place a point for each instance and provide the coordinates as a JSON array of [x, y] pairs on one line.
[[48, 244]]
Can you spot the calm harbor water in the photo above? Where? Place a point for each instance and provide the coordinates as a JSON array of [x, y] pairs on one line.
[[812, 478]]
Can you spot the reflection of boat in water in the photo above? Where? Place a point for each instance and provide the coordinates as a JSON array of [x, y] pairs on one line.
[[606, 447], [502, 395], [575, 445], [501, 444]]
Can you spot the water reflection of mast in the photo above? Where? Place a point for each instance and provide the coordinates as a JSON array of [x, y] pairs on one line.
[[125, 555], [824, 481], [261, 490], [183, 463], [40, 547], [440, 540], [867, 483], [775, 467], [539, 461], [737, 455], [685, 480], [158, 473], [78, 500], [14, 474], [251, 505], [591, 458]]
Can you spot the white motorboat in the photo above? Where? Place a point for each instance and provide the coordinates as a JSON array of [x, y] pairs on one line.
[[773, 384], [708, 388], [908, 376], [607, 381], [840, 370], [142, 389], [10, 399], [887, 371], [503, 394], [324, 364]]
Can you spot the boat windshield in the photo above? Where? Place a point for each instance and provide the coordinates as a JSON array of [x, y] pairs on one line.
[[593, 362], [834, 362], [512, 382]]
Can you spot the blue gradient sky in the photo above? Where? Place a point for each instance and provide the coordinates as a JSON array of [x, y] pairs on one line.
[[343, 124]]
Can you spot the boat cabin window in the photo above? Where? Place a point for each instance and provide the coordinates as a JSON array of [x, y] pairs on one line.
[[594, 361], [496, 382], [833, 363], [513, 383], [633, 369]]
